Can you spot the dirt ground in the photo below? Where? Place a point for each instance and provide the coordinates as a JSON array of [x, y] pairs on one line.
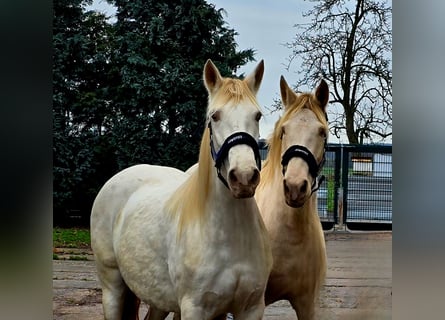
[[358, 283]]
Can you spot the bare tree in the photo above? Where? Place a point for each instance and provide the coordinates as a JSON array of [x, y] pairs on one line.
[[349, 43]]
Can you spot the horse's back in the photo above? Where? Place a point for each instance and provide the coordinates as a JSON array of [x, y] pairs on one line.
[[113, 197], [192, 169]]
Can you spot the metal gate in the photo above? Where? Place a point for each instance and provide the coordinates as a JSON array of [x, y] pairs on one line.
[[358, 187], [328, 197]]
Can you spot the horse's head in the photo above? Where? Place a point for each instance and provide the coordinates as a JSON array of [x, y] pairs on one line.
[[303, 130], [233, 128]]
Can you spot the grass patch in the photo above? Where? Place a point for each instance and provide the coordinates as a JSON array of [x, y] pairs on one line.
[[78, 258], [71, 238]]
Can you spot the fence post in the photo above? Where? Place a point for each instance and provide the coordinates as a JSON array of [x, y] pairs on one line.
[[340, 207], [337, 183], [344, 181]]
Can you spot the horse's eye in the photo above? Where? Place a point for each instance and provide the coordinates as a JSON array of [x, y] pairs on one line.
[[216, 115], [258, 116], [322, 132]]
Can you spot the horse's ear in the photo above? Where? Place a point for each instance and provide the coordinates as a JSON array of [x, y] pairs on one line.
[[322, 94], [288, 96], [212, 77], [254, 79]]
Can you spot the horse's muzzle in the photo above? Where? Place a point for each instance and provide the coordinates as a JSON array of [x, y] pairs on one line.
[[296, 193], [243, 183]]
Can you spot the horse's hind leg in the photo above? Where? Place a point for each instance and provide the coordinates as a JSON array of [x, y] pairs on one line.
[[118, 301], [131, 305]]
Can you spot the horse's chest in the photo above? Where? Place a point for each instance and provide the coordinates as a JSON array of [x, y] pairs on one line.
[[226, 268], [238, 286], [224, 277]]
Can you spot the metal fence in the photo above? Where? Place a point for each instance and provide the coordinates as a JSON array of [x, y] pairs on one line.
[[327, 195], [367, 184], [358, 185]]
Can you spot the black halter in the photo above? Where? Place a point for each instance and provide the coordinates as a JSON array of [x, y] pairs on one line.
[[231, 141], [297, 151]]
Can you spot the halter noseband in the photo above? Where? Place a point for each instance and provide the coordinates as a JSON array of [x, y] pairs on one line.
[[297, 151], [231, 141]]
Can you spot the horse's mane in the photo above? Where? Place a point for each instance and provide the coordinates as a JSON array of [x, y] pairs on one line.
[[272, 164], [231, 90], [189, 201]]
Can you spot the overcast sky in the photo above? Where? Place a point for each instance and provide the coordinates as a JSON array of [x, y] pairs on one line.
[[265, 26]]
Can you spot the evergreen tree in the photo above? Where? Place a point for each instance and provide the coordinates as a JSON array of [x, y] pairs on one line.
[[131, 91], [81, 63], [161, 48]]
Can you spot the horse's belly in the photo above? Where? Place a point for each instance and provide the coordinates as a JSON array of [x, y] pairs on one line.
[[151, 283], [141, 235], [145, 271]]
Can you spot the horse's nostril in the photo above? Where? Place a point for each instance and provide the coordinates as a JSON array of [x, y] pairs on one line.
[[244, 178], [232, 176], [304, 187], [286, 188], [255, 179]]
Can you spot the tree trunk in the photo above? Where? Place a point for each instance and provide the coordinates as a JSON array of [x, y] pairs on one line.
[[350, 132]]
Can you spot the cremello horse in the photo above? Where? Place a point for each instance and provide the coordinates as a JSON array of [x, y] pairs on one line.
[[288, 203], [191, 244]]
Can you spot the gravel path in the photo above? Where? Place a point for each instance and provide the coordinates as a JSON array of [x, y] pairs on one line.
[[358, 283]]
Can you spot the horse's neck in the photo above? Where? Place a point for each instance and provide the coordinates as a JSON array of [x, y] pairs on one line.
[[227, 213], [304, 215], [221, 199]]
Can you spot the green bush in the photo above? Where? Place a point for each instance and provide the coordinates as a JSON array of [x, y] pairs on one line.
[[331, 195]]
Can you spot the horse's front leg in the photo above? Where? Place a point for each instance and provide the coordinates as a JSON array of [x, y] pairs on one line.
[[156, 314], [304, 306], [204, 311], [253, 313]]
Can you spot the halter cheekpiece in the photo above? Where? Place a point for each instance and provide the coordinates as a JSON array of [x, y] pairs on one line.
[[231, 141], [297, 151]]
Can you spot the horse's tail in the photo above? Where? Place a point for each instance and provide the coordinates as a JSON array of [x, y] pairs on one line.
[[131, 306]]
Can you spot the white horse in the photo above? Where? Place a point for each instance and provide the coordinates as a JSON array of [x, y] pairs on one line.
[[191, 244]]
